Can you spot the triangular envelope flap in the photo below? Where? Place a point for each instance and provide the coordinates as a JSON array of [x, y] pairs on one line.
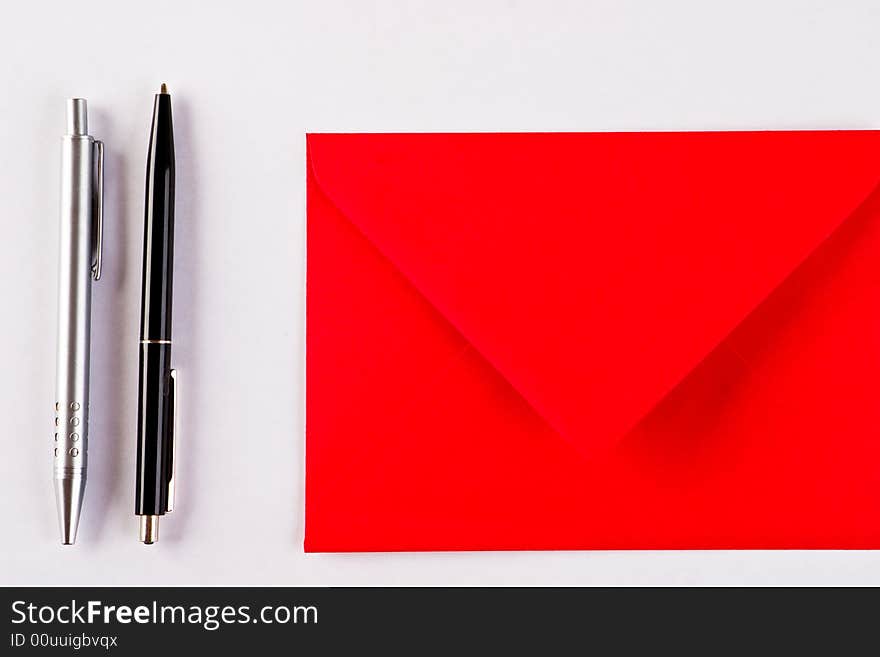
[[595, 270]]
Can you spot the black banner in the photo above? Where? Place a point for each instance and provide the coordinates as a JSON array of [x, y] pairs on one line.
[[169, 621]]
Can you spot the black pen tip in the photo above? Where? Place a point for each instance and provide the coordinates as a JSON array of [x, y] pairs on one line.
[[164, 89]]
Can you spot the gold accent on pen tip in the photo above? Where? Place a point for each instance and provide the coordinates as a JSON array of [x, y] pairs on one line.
[[164, 89]]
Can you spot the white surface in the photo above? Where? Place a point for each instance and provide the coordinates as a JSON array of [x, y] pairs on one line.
[[248, 80]]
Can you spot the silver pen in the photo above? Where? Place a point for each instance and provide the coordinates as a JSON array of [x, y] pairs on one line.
[[82, 189]]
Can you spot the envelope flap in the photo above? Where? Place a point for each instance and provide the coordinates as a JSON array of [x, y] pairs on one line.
[[595, 270]]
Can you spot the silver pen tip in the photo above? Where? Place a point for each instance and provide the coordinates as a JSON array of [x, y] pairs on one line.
[[69, 497], [163, 89]]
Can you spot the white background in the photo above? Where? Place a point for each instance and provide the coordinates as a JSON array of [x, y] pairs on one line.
[[248, 79]]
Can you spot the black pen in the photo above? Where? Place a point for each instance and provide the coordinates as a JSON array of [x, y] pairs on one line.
[[157, 395]]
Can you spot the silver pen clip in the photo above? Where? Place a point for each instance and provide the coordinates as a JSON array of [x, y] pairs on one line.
[[99, 211], [172, 469]]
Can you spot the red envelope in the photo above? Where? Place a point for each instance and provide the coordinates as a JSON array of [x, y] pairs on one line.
[[593, 341]]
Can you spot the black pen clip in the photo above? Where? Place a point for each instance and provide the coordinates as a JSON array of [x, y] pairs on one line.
[[172, 436]]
